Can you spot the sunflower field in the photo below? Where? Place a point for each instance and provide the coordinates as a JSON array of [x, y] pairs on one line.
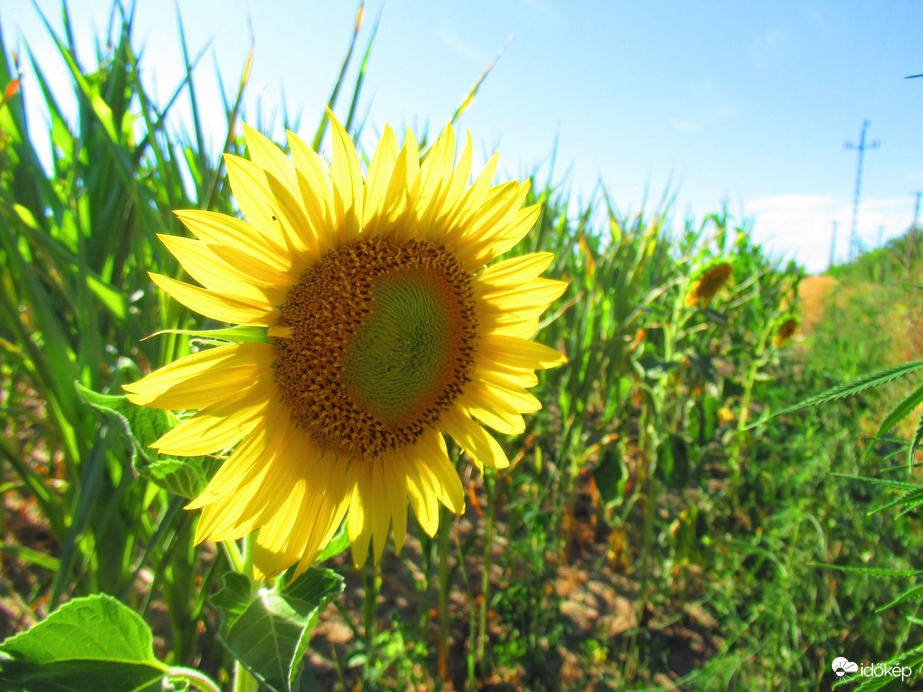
[[378, 420]]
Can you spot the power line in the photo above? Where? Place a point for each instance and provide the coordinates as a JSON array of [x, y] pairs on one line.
[[853, 236]]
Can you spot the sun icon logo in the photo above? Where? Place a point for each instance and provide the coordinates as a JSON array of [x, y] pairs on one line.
[[842, 665]]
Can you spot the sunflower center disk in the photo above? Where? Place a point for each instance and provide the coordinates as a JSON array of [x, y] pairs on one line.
[[400, 353], [384, 337]]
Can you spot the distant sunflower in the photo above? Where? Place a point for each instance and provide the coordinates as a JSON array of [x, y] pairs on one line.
[[708, 284], [384, 332], [785, 332]]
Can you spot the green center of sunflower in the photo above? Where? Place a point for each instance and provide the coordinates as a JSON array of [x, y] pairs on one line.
[[400, 352], [383, 339]]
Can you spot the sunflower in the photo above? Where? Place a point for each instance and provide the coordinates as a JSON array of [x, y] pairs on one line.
[[385, 331], [785, 332], [708, 284]]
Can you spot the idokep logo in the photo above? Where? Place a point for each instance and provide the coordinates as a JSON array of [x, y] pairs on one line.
[[842, 665]]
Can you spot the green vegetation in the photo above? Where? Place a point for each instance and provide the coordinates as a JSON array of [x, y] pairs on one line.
[[657, 529]]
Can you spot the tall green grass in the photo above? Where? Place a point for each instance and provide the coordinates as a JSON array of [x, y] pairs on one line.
[[733, 546]]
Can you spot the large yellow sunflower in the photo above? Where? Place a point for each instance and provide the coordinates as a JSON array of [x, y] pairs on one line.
[[385, 331]]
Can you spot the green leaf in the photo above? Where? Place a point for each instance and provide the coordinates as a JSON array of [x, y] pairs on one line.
[[899, 412], [871, 571], [611, 475], [915, 443], [93, 643], [140, 427], [268, 631], [846, 389], [673, 461], [337, 544], [236, 335]]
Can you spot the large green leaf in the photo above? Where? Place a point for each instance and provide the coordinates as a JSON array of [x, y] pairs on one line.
[[673, 461], [611, 475], [140, 426], [268, 631], [93, 643]]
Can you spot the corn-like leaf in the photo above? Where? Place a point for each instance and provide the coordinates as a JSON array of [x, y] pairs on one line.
[[848, 389]]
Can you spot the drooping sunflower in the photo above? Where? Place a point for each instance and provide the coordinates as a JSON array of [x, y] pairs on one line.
[[385, 331], [785, 332], [708, 284]]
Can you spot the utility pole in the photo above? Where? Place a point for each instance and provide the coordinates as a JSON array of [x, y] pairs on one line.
[[916, 212], [832, 248], [853, 236]]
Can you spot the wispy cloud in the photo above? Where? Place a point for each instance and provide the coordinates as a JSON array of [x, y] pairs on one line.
[[821, 23], [763, 47], [705, 107], [541, 7], [463, 47]]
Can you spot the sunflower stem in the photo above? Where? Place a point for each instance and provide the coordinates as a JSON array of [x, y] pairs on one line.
[[243, 679], [443, 548], [249, 549], [371, 577], [485, 573], [234, 556], [198, 680]]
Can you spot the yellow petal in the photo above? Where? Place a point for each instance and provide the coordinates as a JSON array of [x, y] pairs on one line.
[[203, 265], [383, 508], [434, 458], [484, 407], [220, 425], [334, 502], [422, 496], [316, 192], [239, 244], [513, 272], [271, 207], [218, 306], [395, 486], [267, 155], [203, 378], [250, 460], [378, 178], [480, 445], [488, 243], [347, 182], [361, 508], [275, 550], [471, 201], [518, 352], [502, 393], [508, 324]]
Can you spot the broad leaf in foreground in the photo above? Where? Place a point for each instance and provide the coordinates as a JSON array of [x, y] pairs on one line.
[[94, 643], [268, 631]]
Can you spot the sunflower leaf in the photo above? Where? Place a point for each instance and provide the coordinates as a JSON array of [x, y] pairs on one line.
[[235, 335], [141, 426], [268, 631], [92, 643]]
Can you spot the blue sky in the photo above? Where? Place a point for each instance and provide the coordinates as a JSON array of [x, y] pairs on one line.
[[748, 104]]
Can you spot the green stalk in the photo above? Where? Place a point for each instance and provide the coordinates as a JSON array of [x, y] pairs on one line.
[[194, 677], [243, 680], [371, 581], [485, 571], [445, 527], [742, 419]]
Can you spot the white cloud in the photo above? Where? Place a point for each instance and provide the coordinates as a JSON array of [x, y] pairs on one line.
[[801, 226], [704, 108]]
